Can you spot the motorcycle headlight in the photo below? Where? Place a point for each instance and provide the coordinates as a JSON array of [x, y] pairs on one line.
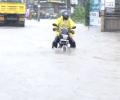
[[65, 36]]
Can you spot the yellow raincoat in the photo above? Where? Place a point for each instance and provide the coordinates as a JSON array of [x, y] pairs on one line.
[[64, 24]]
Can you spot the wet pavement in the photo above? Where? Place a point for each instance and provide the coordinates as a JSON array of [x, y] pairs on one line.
[[31, 70]]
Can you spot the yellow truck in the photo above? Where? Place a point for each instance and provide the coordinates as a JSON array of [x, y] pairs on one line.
[[12, 12]]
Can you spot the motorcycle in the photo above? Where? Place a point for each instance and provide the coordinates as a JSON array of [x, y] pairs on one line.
[[64, 37]]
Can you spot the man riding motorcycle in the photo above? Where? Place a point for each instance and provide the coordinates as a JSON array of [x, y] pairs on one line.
[[65, 22]]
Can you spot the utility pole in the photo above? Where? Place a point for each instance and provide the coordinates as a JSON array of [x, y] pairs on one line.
[[38, 17], [87, 12], [68, 6]]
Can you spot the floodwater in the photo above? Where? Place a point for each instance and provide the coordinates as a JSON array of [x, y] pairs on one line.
[[31, 70]]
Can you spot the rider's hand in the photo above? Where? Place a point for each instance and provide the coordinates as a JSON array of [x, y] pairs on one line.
[[71, 31], [54, 29]]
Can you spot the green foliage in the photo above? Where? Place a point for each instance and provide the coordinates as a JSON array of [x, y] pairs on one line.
[[79, 14]]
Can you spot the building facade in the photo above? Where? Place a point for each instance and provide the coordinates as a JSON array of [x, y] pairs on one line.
[[50, 8], [96, 6], [110, 15]]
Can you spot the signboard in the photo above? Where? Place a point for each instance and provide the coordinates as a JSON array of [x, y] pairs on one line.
[[74, 2], [110, 3], [94, 12], [94, 18], [107, 3]]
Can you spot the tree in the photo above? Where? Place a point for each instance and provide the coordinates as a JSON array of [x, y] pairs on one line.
[[81, 13]]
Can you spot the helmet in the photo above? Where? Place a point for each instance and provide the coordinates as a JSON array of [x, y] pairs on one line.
[[65, 15]]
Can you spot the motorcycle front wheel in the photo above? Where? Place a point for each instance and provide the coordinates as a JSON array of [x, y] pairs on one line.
[[64, 48]]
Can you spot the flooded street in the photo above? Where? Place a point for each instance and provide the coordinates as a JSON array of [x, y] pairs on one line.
[[31, 70]]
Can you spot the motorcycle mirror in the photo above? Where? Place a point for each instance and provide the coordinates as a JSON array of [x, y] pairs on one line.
[[55, 24], [73, 27]]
